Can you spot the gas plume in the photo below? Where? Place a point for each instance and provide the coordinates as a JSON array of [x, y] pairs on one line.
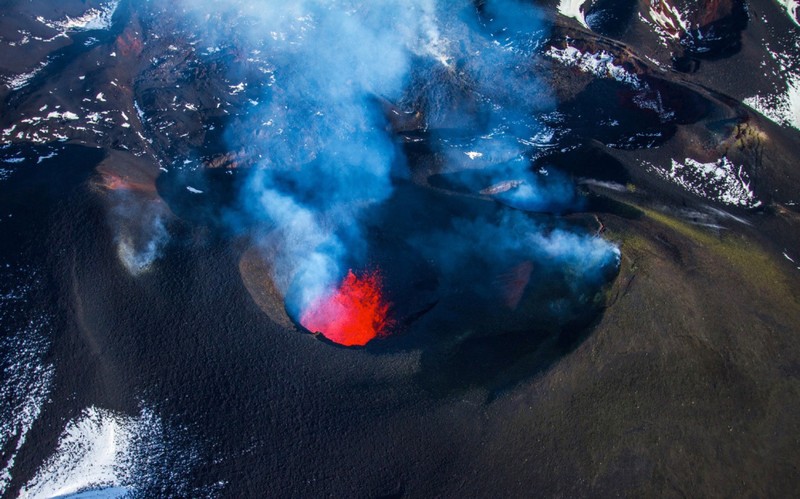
[[327, 152]]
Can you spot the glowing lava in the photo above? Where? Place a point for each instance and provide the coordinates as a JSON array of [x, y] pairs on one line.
[[114, 182], [352, 315]]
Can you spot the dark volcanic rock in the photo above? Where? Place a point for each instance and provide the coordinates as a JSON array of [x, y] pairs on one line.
[[140, 295]]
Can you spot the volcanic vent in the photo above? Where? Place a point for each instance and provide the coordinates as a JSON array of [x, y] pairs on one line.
[[354, 313]]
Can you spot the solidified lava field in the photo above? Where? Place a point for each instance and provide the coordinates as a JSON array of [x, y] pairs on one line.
[[399, 249]]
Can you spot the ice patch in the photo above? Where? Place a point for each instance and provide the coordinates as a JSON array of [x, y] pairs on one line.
[[720, 180]]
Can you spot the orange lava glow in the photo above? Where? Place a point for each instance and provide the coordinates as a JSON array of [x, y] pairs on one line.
[[114, 182], [354, 314]]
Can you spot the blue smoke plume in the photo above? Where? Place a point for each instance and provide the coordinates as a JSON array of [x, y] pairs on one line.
[[328, 153]]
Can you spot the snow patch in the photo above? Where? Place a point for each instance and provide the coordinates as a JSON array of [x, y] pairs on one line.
[[50, 155], [193, 190], [573, 9], [600, 64], [718, 180], [67, 115], [791, 7], [26, 378], [19, 81], [102, 453], [92, 19], [669, 21], [782, 108]]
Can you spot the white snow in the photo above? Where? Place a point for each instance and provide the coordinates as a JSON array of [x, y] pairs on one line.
[[46, 156], [100, 97], [235, 89], [26, 380], [67, 115], [193, 190], [24, 390], [105, 454], [92, 19], [719, 180], [95, 452], [91, 454], [600, 64], [669, 21], [20, 80], [786, 255], [474, 154], [782, 108], [791, 7], [653, 102], [139, 111], [573, 9], [542, 139]]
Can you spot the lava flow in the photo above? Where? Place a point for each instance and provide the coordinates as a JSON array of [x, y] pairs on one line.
[[352, 315]]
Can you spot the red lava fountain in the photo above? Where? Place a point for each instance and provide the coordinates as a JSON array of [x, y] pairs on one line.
[[352, 315]]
